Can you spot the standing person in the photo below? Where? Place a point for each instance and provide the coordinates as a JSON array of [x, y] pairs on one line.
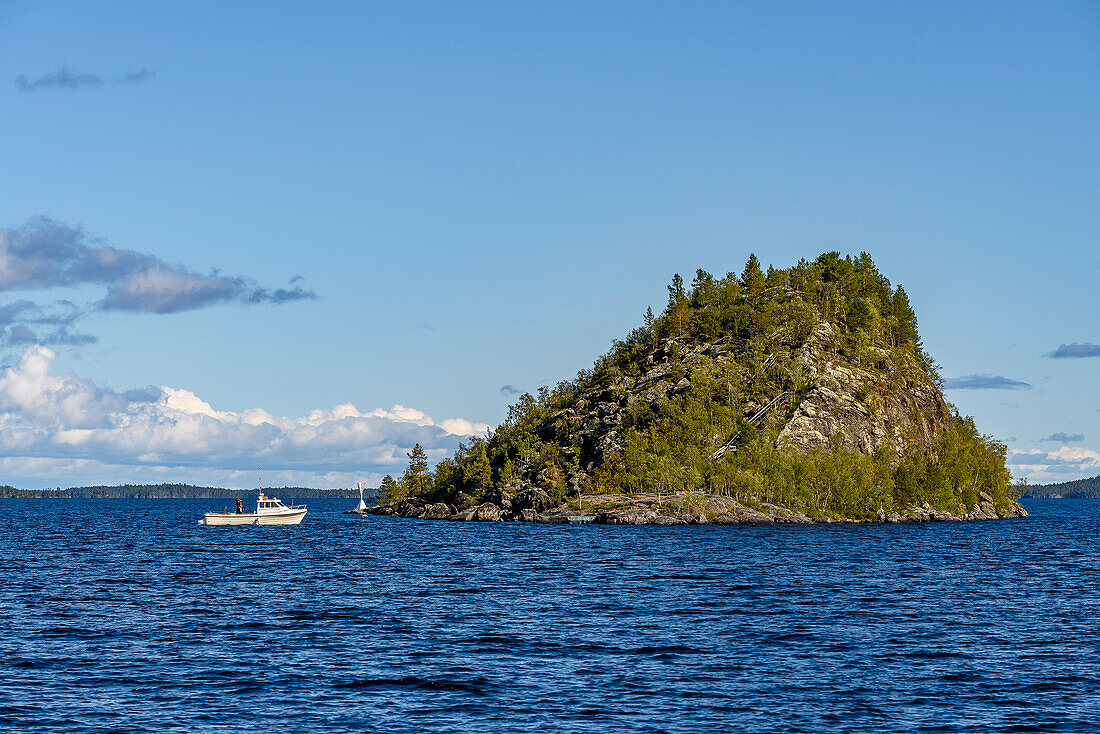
[[240, 506]]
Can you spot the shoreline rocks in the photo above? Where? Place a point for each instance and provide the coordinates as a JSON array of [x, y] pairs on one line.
[[534, 506]]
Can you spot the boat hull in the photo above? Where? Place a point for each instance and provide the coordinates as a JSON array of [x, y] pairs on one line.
[[289, 517]]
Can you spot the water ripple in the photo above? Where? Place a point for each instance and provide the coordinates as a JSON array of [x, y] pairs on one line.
[[126, 616]]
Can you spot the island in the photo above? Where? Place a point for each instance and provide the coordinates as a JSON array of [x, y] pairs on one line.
[[796, 395]]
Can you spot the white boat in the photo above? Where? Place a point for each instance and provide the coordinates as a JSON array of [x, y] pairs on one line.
[[269, 511]]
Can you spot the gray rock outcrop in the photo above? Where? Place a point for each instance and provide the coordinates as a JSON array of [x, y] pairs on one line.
[[859, 408]]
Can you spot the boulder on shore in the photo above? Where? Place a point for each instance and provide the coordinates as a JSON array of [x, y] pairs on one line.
[[532, 504], [438, 511], [486, 513], [531, 498]]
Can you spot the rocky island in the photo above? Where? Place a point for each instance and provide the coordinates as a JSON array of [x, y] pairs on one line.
[[797, 395]]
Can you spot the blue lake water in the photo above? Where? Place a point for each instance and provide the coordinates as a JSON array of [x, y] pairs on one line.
[[127, 616]]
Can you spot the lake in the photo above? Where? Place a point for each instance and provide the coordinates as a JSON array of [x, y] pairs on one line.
[[127, 616]]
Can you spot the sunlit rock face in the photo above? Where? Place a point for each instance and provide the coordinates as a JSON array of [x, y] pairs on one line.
[[863, 407]]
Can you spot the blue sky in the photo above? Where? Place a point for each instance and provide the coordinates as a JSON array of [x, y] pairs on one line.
[[460, 197]]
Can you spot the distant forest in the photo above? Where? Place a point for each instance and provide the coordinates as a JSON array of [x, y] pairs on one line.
[[1078, 489], [178, 491]]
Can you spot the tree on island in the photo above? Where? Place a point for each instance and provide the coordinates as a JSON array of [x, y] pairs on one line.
[[677, 303], [416, 478], [389, 490], [752, 277]]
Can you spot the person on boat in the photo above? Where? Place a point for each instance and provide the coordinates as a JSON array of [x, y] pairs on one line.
[[240, 506]]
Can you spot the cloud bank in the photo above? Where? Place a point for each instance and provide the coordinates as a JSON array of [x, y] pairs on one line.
[[44, 254], [1075, 351], [984, 382], [52, 423], [1062, 465], [47, 254], [66, 78]]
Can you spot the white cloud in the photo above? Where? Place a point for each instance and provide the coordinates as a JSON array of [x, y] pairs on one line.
[[462, 427], [1061, 465], [1077, 455], [66, 427]]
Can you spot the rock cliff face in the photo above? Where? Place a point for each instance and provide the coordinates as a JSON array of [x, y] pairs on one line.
[[862, 409], [595, 419], [842, 404]]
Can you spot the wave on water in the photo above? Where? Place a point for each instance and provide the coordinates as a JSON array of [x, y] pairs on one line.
[[478, 686], [377, 624]]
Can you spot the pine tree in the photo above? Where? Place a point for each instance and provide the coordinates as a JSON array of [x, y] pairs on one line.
[[860, 316], [416, 478], [702, 289], [752, 277], [906, 320], [389, 491], [477, 473], [676, 290], [677, 305]]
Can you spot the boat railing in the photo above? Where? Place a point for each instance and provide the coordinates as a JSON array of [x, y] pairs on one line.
[[290, 507]]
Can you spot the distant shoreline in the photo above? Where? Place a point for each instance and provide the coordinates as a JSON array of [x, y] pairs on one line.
[[1059, 497], [1078, 489]]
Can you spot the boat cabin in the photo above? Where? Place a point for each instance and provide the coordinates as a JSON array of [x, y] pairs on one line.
[[269, 504]]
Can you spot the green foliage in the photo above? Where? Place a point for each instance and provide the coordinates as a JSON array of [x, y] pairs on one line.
[[752, 277], [390, 491], [820, 482], [477, 473], [417, 479], [735, 404]]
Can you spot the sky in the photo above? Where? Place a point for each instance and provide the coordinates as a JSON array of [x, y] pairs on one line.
[[299, 238]]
